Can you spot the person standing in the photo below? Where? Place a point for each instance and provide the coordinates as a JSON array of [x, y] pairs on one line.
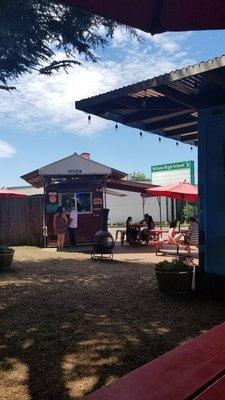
[[60, 227], [73, 226]]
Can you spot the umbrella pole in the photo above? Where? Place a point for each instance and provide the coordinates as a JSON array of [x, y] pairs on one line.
[[181, 209], [160, 211], [143, 205]]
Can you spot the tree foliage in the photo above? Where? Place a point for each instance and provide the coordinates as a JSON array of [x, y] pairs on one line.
[[188, 211], [34, 33], [138, 176]]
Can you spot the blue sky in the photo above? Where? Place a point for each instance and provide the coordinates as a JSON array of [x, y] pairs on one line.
[[38, 122]]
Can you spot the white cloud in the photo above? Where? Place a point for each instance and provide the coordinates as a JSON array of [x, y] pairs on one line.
[[165, 43], [170, 42], [47, 103], [6, 150]]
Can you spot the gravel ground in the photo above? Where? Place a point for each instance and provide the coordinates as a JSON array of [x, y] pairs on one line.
[[70, 325]]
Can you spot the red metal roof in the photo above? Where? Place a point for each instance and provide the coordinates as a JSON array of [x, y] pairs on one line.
[[11, 193], [156, 16]]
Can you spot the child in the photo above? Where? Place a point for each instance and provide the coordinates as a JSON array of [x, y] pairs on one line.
[[171, 233]]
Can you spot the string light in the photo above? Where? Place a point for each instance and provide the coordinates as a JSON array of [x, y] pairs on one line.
[[89, 119], [116, 127], [177, 144], [160, 139], [191, 148], [141, 134]]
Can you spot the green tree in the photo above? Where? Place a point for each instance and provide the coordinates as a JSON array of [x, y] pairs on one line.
[[188, 211], [138, 176], [34, 33]]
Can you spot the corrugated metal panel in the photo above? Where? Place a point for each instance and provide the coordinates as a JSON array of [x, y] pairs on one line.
[[163, 103]]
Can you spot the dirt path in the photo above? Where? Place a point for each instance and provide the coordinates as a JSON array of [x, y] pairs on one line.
[[69, 325]]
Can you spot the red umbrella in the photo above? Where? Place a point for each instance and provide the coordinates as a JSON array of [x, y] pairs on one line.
[[11, 193], [156, 16], [180, 191]]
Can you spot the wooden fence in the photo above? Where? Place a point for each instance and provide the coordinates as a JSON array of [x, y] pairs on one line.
[[21, 220]]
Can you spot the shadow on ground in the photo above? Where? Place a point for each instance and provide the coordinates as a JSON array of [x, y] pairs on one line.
[[71, 326]]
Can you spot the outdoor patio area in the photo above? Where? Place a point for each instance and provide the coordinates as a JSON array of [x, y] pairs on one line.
[[70, 325]]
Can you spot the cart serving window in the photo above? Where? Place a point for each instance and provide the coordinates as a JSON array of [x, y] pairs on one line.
[[80, 200]]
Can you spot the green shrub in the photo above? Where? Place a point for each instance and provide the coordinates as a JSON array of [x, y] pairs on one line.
[[4, 248], [178, 263], [188, 211]]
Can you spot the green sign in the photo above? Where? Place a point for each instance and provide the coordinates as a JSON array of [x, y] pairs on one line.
[[184, 165], [172, 166]]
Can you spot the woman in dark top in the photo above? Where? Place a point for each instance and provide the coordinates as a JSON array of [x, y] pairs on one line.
[[145, 234], [131, 231], [149, 221], [60, 227]]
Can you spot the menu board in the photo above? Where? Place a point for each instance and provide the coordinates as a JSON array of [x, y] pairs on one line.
[[97, 199]]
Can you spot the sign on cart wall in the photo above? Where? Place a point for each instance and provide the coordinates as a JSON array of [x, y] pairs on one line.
[[166, 174]]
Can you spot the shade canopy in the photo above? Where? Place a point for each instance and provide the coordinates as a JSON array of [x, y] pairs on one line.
[[156, 16], [180, 191], [10, 193], [166, 105]]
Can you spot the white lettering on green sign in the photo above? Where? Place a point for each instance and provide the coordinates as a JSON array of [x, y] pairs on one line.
[[172, 166]]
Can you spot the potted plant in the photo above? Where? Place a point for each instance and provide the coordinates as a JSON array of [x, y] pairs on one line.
[[175, 276], [6, 255]]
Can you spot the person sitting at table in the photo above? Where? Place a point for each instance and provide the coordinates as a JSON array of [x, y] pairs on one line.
[[191, 236], [145, 234], [131, 232], [172, 233], [149, 221]]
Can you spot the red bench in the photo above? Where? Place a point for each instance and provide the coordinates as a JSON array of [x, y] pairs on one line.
[[194, 370]]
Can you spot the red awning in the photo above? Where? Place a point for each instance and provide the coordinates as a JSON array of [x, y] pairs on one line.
[[156, 16], [180, 191], [10, 193]]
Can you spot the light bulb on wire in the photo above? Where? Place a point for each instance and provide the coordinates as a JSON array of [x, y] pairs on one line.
[[89, 119]]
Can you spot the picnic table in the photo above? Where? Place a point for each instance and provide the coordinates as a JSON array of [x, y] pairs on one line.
[[139, 228], [157, 233], [154, 232], [194, 370]]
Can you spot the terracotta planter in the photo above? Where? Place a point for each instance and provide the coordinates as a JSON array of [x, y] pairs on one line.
[[174, 281], [6, 259]]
